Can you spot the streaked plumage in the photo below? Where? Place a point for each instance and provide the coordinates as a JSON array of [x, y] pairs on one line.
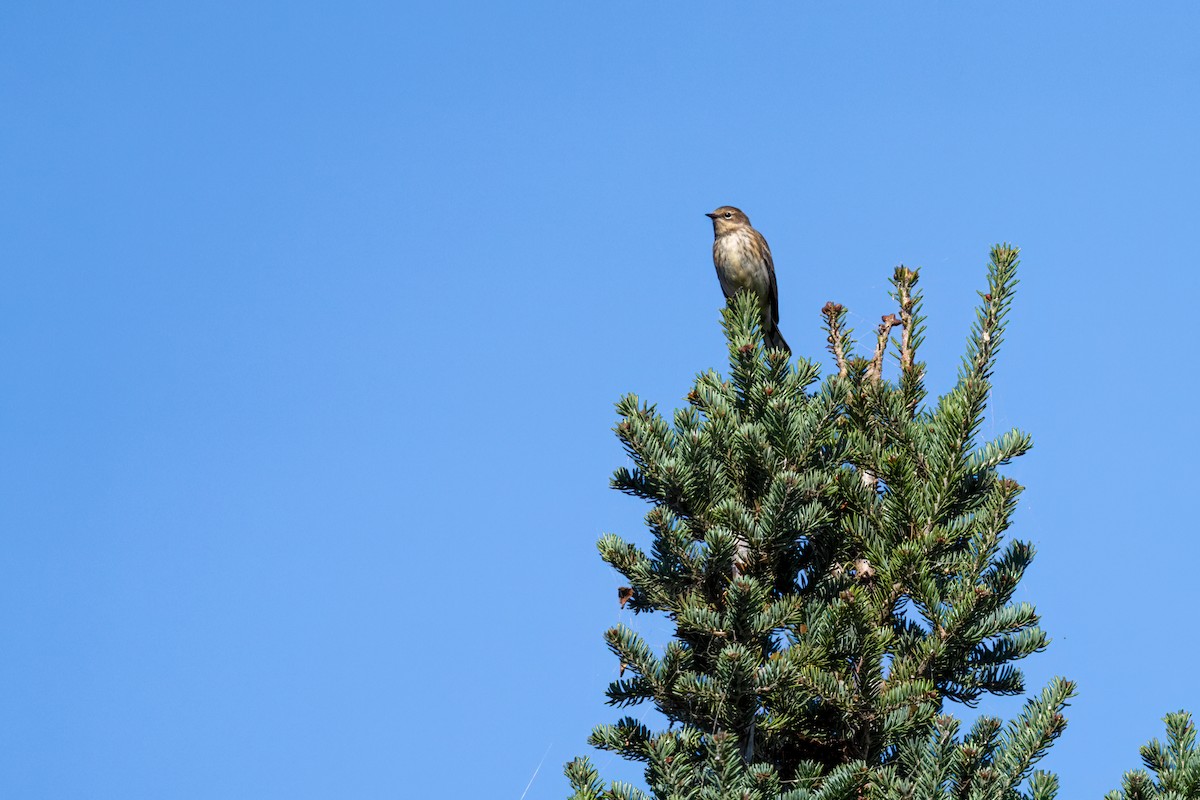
[[743, 261]]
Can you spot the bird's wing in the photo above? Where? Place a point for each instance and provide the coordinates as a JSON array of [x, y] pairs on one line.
[[774, 287]]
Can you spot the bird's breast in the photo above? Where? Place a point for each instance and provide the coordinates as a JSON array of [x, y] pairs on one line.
[[738, 265]]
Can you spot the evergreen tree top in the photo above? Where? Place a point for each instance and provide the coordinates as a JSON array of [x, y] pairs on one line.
[[833, 557]]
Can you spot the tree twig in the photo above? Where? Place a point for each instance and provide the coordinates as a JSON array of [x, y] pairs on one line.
[[834, 314], [905, 279], [889, 321]]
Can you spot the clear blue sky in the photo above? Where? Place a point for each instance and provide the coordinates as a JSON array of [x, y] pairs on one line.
[[313, 316]]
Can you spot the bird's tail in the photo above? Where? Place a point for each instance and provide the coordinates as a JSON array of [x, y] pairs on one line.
[[775, 340]]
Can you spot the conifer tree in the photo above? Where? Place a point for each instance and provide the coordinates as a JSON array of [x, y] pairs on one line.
[[832, 556], [1176, 766]]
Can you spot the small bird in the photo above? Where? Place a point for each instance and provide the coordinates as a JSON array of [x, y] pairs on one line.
[[743, 261]]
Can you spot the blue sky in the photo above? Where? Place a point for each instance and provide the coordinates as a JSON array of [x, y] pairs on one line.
[[313, 317]]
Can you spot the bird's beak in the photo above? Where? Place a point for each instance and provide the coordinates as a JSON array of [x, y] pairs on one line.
[[711, 215]]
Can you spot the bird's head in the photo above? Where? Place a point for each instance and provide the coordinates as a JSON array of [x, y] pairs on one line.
[[727, 218]]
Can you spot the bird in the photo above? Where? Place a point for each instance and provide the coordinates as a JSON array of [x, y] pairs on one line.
[[743, 261]]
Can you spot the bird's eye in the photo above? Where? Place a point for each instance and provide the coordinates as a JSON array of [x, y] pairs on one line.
[[728, 215]]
